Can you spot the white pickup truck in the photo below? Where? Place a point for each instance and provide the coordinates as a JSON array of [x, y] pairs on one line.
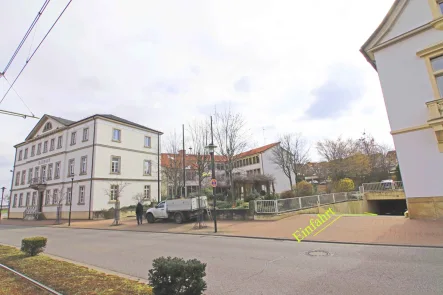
[[178, 209]]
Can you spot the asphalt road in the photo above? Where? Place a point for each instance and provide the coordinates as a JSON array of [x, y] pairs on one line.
[[253, 266]]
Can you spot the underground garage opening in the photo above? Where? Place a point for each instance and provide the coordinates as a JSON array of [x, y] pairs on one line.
[[387, 207]]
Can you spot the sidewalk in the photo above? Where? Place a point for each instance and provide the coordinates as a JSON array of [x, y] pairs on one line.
[[390, 230]]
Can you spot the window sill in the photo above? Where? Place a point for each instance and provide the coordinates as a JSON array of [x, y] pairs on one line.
[[148, 147], [115, 173], [438, 23], [85, 140], [118, 141], [112, 202], [72, 144], [147, 174], [83, 173], [82, 204]]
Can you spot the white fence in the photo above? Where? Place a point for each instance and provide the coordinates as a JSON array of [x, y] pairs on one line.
[[293, 204], [382, 186]]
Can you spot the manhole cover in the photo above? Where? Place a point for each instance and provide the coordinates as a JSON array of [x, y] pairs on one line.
[[318, 253]]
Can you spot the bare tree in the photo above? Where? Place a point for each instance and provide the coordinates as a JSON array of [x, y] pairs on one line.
[[199, 132], [172, 168], [116, 187], [282, 157], [300, 152], [139, 197], [336, 152], [232, 139]]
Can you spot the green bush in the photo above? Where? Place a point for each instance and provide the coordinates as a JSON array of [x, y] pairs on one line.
[[288, 194], [33, 245], [177, 276], [271, 197], [345, 185], [304, 188]]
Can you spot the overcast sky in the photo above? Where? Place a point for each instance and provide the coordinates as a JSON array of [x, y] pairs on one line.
[[287, 66]]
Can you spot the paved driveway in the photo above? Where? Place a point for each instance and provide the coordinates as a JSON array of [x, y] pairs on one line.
[[253, 266]]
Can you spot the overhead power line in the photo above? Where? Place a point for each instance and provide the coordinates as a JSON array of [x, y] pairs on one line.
[[29, 59], [26, 35]]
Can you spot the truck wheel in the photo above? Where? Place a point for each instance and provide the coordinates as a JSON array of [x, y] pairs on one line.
[[150, 218], [178, 218]]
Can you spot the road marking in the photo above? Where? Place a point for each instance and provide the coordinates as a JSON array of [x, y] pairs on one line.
[[328, 225]]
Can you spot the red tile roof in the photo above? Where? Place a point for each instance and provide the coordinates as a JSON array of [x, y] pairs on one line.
[[257, 150]]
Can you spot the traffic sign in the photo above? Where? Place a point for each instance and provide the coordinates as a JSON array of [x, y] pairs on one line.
[[214, 182]]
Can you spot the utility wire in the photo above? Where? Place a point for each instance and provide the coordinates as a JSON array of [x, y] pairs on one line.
[[27, 61], [19, 96], [26, 35]]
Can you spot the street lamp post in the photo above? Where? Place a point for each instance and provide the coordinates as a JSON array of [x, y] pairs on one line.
[[1, 204], [211, 147], [70, 201]]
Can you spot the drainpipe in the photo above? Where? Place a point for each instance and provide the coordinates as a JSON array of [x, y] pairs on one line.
[[92, 171], [12, 182]]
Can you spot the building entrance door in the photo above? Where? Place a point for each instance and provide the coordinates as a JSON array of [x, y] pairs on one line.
[[40, 201]]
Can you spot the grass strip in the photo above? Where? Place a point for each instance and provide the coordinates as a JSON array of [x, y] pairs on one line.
[[67, 278], [11, 284]]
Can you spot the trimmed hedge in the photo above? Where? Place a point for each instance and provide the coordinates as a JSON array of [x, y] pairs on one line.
[[177, 276], [33, 245]]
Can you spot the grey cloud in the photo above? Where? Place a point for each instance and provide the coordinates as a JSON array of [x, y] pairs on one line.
[[343, 87], [243, 84]]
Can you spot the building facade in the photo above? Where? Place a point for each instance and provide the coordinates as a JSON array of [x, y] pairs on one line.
[[172, 173], [89, 162], [407, 52], [259, 161]]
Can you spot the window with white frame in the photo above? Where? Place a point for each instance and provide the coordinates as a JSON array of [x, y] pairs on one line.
[[34, 199], [55, 196], [57, 170], [116, 134], [45, 147], [17, 178], [68, 196], [36, 172], [20, 200], [147, 192], [85, 134], [437, 67], [440, 4], [39, 148], [23, 176], [147, 141], [25, 156], [33, 151], [48, 197], [81, 195], [14, 202], [71, 167], [59, 142], [147, 167], [113, 192], [29, 175], [83, 165], [115, 164], [28, 198], [73, 137], [50, 168], [52, 145], [20, 155], [43, 172]]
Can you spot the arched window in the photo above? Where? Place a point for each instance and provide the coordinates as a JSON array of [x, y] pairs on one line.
[[48, 126]]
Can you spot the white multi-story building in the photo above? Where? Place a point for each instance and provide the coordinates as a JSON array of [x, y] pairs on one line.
[[90, 161], [407, 52], [260, 161]]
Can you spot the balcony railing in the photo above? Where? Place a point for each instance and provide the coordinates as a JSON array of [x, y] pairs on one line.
[[38, 180]]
